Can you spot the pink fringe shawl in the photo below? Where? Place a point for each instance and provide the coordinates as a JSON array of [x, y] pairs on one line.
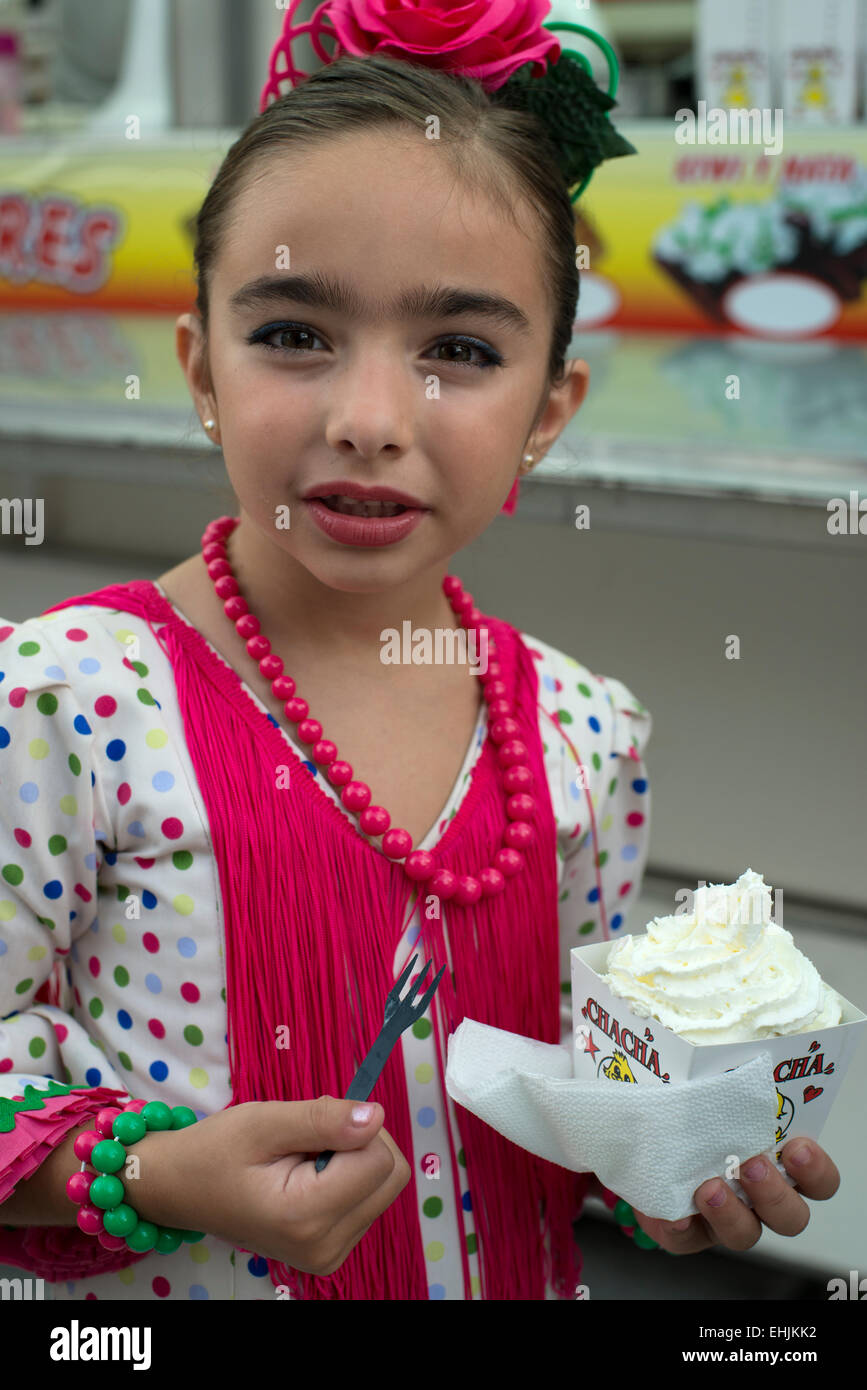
[[306, 893]]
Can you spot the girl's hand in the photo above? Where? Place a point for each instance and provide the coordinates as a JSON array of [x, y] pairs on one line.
[[732, 1223], [246, 1174]]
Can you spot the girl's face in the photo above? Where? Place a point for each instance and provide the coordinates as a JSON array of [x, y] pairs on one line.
[[309, 391]]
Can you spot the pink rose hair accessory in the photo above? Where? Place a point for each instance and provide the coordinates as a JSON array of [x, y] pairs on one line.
[[486, 39], [502, 44]]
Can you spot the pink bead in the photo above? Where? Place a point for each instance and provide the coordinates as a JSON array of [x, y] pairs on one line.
[[296, 709], [309, 730], [396, 843], [105, 1119], [247, 626], [324, 751], [451, 585], [85, 1143], [492, 882], [271, 667], [78, 1187], [356, 796], [420, 865], [235, 607], [375, 820], [111, 1242], [226, 586], [258, 647], [503, 729], [89, 1220], [495, 690], [473, 617], [499, 709], [136, 1106], [219, 567], [511, 752], [214, 550], [283, 687], [463, 603], [519, 835], [518, 779], [509, 861], [339, 773], [521, 806], [444, 884], [469, 890]]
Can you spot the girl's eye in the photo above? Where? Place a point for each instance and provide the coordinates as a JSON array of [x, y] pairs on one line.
[[492, 359], [467, 345]]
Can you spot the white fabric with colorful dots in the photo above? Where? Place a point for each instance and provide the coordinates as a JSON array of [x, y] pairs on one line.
[[92, 753]]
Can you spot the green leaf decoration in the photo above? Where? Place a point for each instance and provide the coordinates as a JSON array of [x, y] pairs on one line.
[[573, 110], [33, 1100]]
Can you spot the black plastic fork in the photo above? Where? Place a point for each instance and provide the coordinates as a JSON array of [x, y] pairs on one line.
[[398, 1015]]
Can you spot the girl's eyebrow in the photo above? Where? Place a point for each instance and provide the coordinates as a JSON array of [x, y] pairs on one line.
[[323, 292]]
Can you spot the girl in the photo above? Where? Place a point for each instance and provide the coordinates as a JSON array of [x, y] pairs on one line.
[[227, 824]]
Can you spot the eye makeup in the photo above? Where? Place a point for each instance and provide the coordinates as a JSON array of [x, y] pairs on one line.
[[270, 330]]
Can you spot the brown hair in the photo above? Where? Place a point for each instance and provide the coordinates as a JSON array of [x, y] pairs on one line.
[[503, 150]]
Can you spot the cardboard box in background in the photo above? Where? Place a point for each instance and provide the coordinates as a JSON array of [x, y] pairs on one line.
[[733, 53], [610, 1042], [818, 44]]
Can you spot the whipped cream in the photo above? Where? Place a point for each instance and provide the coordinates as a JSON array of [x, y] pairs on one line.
[[724, 972]]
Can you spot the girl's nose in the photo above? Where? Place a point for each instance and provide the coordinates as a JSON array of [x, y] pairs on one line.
[[373, 405]]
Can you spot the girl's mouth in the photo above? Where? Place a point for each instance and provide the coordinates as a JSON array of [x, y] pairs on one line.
[[350, 506]]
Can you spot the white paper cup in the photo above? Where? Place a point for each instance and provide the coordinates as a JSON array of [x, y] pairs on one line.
[[612, 1043]]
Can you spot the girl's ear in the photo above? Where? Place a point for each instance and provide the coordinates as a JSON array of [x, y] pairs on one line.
[[191, 353], [562, 403]]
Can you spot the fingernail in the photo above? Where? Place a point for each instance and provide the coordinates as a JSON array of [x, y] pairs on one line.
[[755, 1169], [682, 1225], [361, 1114], [717, 1197], [801, 1155]]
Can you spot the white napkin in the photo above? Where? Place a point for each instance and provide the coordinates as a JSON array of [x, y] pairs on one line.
[[652, 1145]]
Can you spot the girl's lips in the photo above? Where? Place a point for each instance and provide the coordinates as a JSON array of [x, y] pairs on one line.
[[363, 530]]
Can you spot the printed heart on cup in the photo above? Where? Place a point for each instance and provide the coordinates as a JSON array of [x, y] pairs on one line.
[[811, 1092]]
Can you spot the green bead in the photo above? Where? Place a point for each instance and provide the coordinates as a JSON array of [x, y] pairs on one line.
[[623, 1213], [108, 1156], [106, 1192], [143, 1238], [643, 1240], [157, 1115], [120, 1221], [168, 1240], [190, 1237], [129, 1127], [182, 1116]]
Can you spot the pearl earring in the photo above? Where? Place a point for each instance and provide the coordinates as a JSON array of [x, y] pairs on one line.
[[528, 458], [209, 424]]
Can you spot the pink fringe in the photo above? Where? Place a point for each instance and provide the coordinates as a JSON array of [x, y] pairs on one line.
[[313, 916]]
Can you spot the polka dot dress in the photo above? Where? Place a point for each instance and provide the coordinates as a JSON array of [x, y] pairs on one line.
[[109, 887]]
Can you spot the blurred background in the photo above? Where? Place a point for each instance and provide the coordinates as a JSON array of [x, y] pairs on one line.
[[723, 313]]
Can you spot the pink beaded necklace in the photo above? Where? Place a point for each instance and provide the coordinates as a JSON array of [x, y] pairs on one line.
[[419, 865]]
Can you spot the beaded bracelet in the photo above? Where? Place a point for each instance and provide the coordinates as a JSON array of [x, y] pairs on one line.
[[100, 1195], [625, 1218]]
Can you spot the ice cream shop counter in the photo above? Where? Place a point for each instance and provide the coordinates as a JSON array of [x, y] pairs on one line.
[[689, 434]]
